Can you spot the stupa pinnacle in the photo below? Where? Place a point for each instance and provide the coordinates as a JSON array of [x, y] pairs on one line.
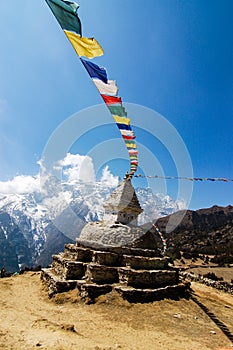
[[123, 205]]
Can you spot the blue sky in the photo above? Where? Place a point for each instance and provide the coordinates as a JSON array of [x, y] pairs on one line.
[[174, 57]]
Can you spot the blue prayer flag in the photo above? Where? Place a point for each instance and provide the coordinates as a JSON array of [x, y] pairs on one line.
[[95, 71]]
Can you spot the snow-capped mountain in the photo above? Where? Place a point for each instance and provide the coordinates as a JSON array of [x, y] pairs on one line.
[[31, 224]]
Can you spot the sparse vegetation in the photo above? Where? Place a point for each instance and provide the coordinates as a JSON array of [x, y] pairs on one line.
[[222, 259], [212, 276]]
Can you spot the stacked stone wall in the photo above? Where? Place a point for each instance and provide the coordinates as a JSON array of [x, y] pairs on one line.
[[220, 285]]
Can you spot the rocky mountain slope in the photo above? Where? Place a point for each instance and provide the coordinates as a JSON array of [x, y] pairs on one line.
[[32, 227], [206, 231]]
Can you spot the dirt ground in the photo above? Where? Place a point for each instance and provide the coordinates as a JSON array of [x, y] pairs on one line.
[[29, 320], [225, 272]]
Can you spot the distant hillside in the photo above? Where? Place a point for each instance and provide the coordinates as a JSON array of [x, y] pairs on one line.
[[207, 231]]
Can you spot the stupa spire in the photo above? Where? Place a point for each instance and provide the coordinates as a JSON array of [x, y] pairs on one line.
[[123, 205]]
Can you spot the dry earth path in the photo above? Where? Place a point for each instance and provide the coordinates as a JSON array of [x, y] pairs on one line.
[[29, 320]]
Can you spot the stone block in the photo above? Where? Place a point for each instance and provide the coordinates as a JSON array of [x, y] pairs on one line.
[[145, 263], [74, 252], [134, 295], [89, 291], [147, 279], [106, 258], [102, 274], [55, 283], [68, 269]]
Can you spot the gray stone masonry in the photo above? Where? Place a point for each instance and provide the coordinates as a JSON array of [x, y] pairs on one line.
[[55, 283], [147, 279], [68, 269], [90, 292], [117, 250], [101, 274], [145, 263], [115, 255], [134, 273], [74, 252], [135, 295], [107, 258]]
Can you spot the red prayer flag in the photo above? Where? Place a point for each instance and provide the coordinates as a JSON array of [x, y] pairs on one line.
[[125, 137], [111, 100]]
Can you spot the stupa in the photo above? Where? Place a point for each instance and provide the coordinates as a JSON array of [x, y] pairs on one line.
[[119, 227], [115, 255]]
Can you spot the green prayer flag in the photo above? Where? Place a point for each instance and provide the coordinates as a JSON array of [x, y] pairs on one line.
[[117, 110], [66, 14]]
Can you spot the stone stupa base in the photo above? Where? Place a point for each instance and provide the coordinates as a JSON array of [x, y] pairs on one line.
[[134, 273]]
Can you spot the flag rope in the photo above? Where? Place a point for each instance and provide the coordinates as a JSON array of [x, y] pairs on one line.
[[223, 179], [162, 238]]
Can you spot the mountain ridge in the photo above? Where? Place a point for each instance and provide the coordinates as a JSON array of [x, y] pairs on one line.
[[42, 225], [206, 231]]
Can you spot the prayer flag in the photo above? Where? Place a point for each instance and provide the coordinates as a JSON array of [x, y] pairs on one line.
[[123, 126], [121, 120], [128, 137], [111, 100], [88, 47], [127, 133], [66, 14], [130, 144], [95, 71], [110, 88], [117, 110], [132, 151]]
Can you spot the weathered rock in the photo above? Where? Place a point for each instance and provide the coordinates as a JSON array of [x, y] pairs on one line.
[[145, 263], [89, 292], [107, 258], [123, 205], [221, 285], [74, 252], [120, 250], [111, 234], [102, 274], [68, 269], [135, 295], [55, 283], [145, 278]]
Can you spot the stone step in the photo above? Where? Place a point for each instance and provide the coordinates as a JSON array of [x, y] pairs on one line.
[[147, 278], [134, 295], [145, 263], [107, 258], [74, 252], [101, 274], [90, 291], [55, 283], [68, 269], [118, 250]]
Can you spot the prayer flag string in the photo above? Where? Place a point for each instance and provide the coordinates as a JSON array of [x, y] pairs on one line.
[[213, 179], [66, 14]]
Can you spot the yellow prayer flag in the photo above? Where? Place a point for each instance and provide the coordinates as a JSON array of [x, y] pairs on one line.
[[121, 120], [88, 47], [131, 145]]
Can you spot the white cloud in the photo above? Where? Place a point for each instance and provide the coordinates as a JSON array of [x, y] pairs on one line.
[[109, 179], [20, 184], [75, 168], [181, 204], [78, 168]]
